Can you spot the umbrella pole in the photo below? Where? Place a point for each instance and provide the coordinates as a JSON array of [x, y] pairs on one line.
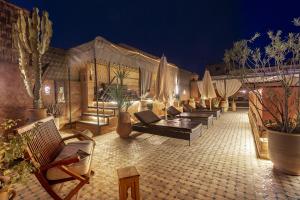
[[209, 103], [166, 115]]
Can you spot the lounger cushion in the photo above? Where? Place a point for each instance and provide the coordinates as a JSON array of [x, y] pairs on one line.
[[147, 117], [173, 111], [82, 167], [187, 108]]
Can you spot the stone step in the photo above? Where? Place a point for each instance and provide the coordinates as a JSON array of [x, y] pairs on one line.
[[94, 114]]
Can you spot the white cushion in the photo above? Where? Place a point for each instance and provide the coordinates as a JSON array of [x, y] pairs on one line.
[[81, 167]]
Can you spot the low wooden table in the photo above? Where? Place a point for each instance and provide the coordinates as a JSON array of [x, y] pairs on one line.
[[204, 118], [128, 178]]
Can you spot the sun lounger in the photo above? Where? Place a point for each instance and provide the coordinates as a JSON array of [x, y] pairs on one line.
[[188, 108], [184, 129], [204, 118]]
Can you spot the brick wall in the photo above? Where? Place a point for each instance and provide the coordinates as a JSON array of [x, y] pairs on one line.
[[8, 16]]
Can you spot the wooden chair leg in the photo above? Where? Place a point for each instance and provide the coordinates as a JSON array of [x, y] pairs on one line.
[[82, 182], [74, 191], [48, 187], [137, 190], [60, 187], [123, 192]]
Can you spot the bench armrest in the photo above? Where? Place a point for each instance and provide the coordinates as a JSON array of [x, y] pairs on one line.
[[66, 161], [79, 135]]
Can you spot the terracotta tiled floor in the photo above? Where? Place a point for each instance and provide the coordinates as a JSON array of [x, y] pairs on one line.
[[221, 164]]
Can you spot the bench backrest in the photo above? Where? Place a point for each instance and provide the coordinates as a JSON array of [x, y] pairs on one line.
[[187, 108], [45, 140]]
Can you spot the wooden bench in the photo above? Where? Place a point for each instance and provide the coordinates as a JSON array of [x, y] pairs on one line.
[[128, 178], [56, 160]]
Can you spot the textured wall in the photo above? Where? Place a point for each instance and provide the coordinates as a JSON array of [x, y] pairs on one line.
[[13, 96], [266, 93], [8, 15], [184, 78]]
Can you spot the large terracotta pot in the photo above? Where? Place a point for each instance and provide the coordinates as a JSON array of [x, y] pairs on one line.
[[224, 105], [124, 124], [233, 106], [284, 151], [8, 195], [36, 114], [192, 103], [143, 105], [57, 122]]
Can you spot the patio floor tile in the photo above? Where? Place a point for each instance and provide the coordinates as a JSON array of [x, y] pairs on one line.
[[221, 164]]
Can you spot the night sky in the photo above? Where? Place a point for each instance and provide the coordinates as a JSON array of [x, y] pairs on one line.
[[190, 33]]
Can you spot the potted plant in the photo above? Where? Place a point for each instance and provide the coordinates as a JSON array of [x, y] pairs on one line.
[[119, 94], [14, 168], [216, 102], [279, 99], [224, 105], [32, 35], [192, 102], [56, 111], [233, 105]]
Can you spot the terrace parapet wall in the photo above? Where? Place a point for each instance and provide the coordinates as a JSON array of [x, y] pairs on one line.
[[8, 16]]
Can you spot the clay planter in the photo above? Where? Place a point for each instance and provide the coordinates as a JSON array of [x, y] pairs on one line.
[[224, 105], [57, 122], [233, 106], [143, 105], [124, 124], [36, 114], [8, 195], [284, 151]]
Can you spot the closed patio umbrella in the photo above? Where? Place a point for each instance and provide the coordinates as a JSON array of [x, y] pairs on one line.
[[208, 87], [161, 88]]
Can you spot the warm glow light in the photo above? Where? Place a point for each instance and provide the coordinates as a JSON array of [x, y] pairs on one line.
[[243, 91], [47, 89], [184, 92], [176, 90]]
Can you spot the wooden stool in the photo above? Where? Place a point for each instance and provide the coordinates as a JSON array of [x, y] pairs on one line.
[[128, 178]]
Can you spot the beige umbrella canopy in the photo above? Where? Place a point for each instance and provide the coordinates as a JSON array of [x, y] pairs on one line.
[[161, 89], [208, 87]]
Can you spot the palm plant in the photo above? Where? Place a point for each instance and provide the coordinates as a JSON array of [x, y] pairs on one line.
[[279, 59], [118, 93]]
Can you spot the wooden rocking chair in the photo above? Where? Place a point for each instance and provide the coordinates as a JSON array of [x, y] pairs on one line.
[[57, 161]]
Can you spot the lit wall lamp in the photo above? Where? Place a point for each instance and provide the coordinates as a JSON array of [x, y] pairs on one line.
[[47, 90], [243, 91], [176, 90], [184, 92]]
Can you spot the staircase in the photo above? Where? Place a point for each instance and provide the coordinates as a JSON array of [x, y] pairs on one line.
[[100, 116], [106, 115]]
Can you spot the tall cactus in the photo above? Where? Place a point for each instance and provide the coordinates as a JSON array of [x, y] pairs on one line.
[[32, 36]]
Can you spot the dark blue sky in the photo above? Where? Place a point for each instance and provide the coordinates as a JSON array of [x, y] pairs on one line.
[[190, 33]]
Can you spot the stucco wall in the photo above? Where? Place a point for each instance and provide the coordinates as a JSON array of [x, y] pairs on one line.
[[13, 96], [184, 78], [267, 101]]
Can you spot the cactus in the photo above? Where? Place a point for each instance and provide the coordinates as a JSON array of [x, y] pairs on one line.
[[32, 36]]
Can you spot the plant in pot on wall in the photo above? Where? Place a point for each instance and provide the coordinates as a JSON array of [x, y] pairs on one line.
[[119, 94], [56, 111], [32, 35], [277, 92], [14, 168], [233, 104], [216, 102]]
